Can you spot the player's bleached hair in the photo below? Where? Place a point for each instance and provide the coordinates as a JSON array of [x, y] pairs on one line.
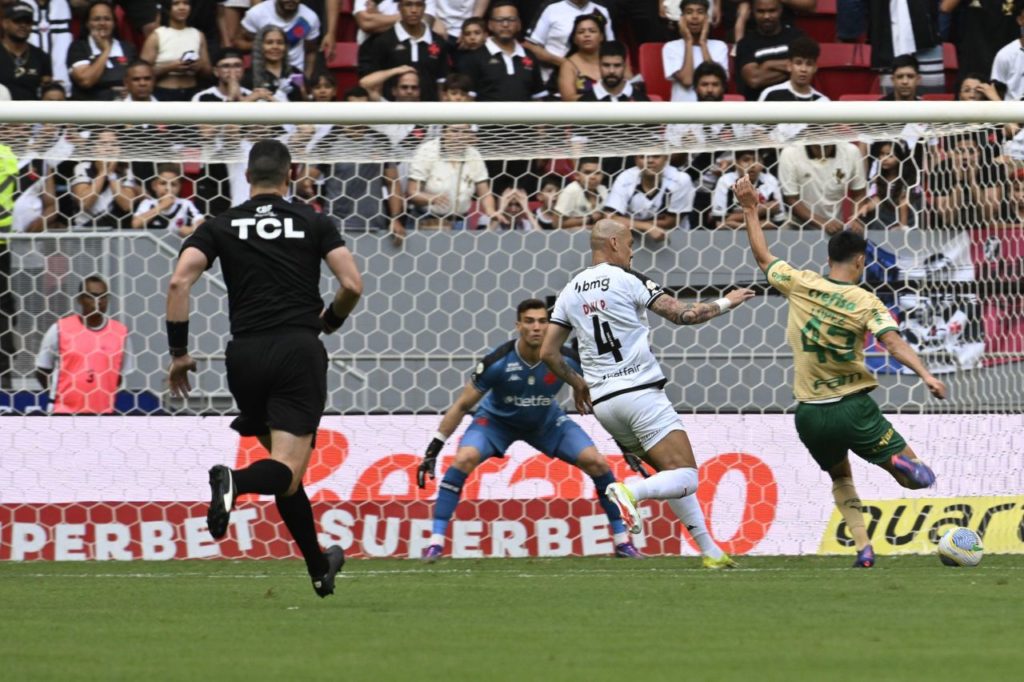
[[269, 163], [845, 246], [529, 304], [604, 230]]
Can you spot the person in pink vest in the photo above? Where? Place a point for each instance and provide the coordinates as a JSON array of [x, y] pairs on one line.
[[85, 355]]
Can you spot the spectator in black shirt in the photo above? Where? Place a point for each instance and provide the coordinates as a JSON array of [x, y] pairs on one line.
[[613, 86], [411, 44], [501, 70], [472, 37], [96, 62], [906, 77], [761, 55], [24, 68], [270, 251]]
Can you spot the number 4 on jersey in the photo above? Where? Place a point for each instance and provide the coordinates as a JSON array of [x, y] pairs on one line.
[[605, 339]]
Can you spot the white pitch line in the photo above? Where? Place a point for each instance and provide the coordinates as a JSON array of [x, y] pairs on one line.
[[794, 572]]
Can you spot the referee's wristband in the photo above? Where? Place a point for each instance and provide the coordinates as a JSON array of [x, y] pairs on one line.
[[177, 338], [723, 305], [333, 320]]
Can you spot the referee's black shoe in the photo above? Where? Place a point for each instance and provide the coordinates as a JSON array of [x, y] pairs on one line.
[[324, 585], [222, 500]]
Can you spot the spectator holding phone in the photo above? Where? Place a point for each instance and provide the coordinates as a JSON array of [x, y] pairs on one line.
[[179, 55]]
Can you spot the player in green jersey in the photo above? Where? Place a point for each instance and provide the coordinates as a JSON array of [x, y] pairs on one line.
[[829, 317]]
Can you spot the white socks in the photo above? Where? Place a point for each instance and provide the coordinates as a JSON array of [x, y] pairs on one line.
[[436, 539], [668, 484], [689, 512]]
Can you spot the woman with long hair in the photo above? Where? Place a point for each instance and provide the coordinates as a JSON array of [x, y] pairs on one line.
[[178, 54], [271, 69], [581, 68]]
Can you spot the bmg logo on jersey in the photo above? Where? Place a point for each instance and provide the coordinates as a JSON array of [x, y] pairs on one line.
[[267, 228], [592, 284]]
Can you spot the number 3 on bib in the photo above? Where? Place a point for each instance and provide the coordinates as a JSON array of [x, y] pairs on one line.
[[605, 339]]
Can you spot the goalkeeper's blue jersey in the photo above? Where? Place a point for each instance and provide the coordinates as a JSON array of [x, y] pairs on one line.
[[519, 395]]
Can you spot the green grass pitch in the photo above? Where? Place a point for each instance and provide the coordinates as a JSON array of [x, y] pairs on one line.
[[804, 618]]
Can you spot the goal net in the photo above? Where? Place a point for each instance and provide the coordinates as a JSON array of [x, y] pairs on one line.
[[456, 213]]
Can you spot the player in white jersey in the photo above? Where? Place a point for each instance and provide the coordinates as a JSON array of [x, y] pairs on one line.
[[622, 385]]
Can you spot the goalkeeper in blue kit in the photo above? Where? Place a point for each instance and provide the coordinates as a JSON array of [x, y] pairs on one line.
[[516, 394]]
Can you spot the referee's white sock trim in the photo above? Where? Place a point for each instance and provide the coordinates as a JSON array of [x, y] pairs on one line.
[[666, 485]]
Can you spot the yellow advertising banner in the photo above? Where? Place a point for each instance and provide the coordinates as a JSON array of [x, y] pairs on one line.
[[914, 526]]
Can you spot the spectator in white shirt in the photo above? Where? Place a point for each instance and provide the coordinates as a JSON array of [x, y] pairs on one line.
[[651, 198], [680, 57], [548, 40], [454, 13], [726, 210], [579, 203], [1008, 67], [445, 176], [816, 178], [165, 209]]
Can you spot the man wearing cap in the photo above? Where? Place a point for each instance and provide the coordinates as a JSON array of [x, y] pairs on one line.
[[24, 68]]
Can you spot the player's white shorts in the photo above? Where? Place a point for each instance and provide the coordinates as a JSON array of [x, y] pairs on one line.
[[638, 420]]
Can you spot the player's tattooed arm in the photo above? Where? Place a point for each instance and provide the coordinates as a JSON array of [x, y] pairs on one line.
[[684, 313], [698, 313], [551, 353]]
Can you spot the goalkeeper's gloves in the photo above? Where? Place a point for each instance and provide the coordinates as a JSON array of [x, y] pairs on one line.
[[429, 460]]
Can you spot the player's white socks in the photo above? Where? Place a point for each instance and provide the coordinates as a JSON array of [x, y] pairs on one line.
[[436, 539], [668, 484], [689, 512]]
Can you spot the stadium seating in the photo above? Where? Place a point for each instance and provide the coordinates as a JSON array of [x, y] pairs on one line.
[[653, 72], [845, 68], [733, 97], [939, 97], [821, 24], [860, 97], [347, 28], [343, 65]]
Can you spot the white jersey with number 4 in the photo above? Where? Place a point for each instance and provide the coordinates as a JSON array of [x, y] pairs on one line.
[[607, 306]]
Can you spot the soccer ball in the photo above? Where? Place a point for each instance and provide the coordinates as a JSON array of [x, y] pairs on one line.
[[960, 547]]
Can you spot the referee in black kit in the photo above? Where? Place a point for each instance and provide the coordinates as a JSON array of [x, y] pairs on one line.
[[270, 251]]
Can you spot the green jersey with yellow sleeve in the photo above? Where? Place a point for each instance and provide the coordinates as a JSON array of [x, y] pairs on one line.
[[827, 323]]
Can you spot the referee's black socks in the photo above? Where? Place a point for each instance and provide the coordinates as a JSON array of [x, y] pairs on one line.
[[297, 514], [265, 477]]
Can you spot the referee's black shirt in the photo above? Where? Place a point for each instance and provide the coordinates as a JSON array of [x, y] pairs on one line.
[[270, 251]]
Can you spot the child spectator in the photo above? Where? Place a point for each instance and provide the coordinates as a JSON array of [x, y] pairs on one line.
[[513, 213], [579, 204], [726, 210], [164, 209], [457, 87], [472, 37]]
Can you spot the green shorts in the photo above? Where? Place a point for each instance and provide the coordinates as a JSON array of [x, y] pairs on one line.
[[854, 423]]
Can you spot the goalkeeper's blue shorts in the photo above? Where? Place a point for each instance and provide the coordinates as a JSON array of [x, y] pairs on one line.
[[562, 439]]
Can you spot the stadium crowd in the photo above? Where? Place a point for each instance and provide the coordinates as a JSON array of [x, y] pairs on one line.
[[523, 50]]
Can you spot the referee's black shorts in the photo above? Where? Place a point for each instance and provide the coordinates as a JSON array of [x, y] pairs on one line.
[[278, 380]]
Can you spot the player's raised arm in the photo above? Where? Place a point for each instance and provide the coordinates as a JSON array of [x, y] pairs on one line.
[[463, 405], [747, 196], [902, 351], [697, 313], [551, 353], [343, 265], [191, 265]]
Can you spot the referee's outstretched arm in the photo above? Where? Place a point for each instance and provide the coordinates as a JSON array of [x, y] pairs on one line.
[[343, 265]]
